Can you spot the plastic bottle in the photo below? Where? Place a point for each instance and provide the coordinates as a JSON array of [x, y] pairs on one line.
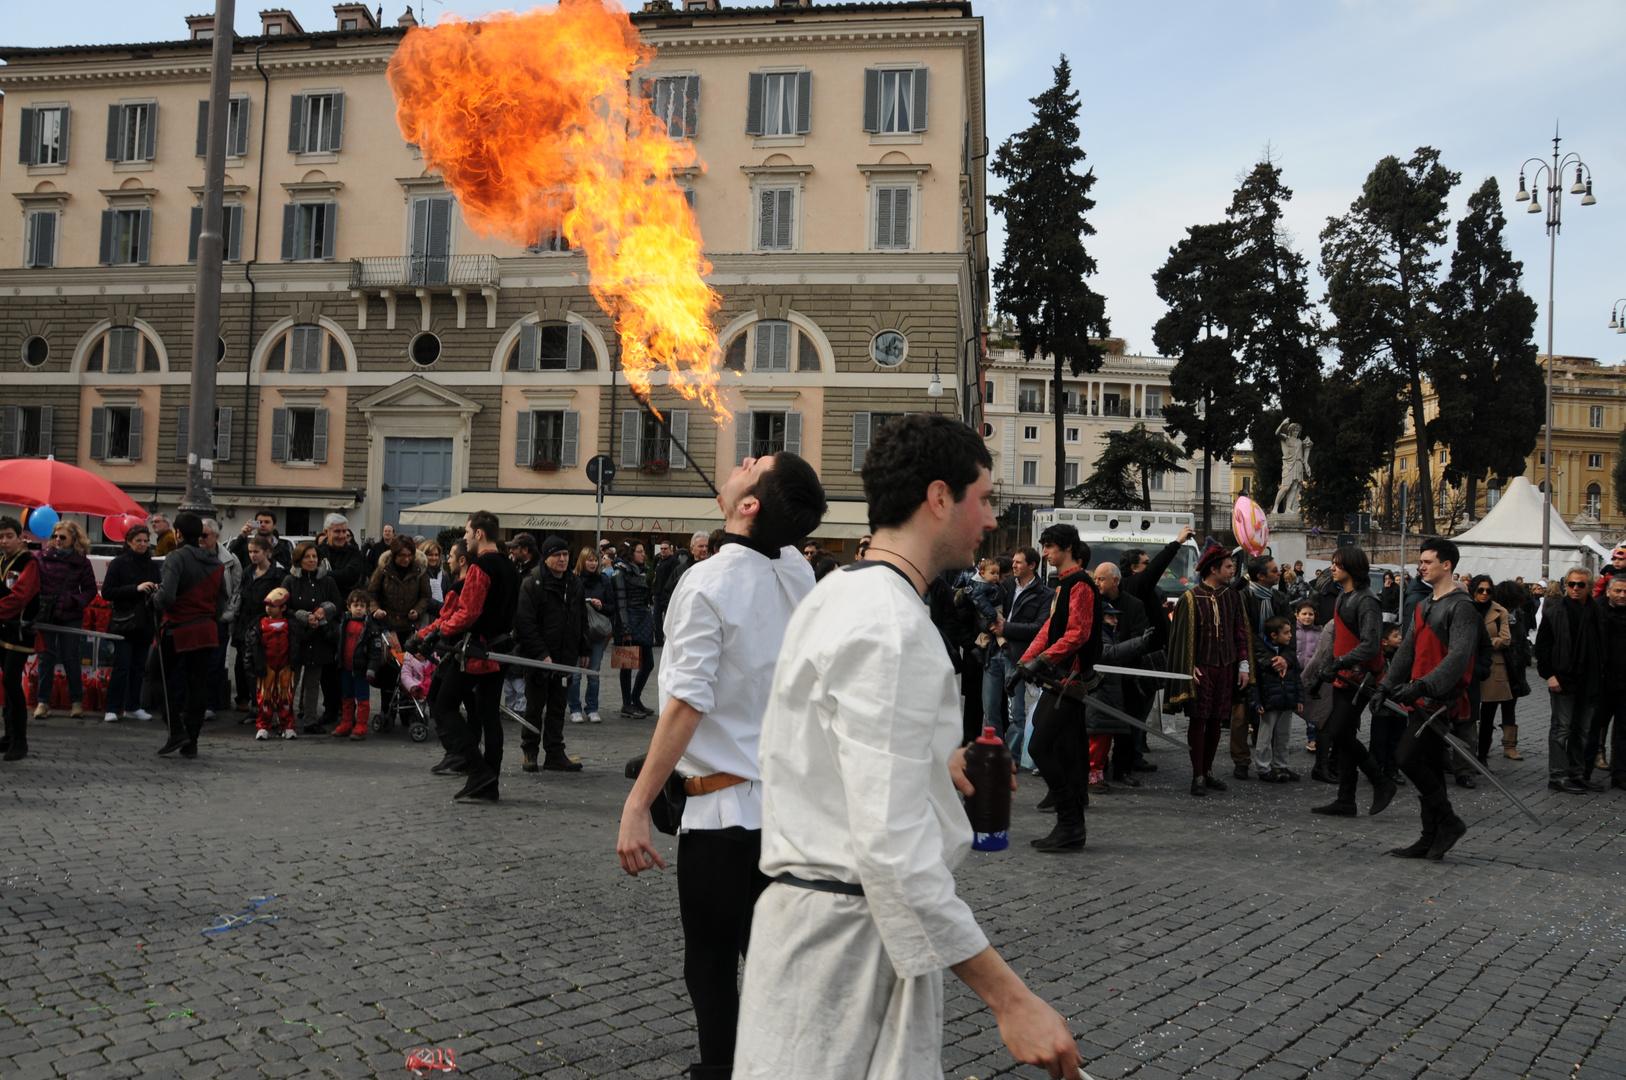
[[988, 767]]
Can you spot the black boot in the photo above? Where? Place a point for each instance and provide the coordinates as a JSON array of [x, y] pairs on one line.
[[1213, 783], [1383, 788], [711, 1072], [1048, 802], [16, 738], [1338, 808], [1068, 835], [5, 740], [1420, 849], [1323, 750], [177, 733], [1448, 828]]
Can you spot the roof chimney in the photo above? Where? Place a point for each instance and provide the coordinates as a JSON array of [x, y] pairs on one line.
[[407, 18], [354, 17], [200, 27], [279, 21]]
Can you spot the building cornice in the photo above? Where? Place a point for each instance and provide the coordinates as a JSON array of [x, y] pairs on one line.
[[65, 74]]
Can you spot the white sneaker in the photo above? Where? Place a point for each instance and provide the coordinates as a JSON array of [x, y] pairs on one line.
[[262, 735], [595, 718], [208, 714], [138, 714], [110, 718], [289, 733], [576, 718]]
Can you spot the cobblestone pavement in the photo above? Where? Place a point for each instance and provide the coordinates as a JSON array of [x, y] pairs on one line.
[[1238, 935]]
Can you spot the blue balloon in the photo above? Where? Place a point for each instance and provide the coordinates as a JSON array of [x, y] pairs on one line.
[[41, 520]]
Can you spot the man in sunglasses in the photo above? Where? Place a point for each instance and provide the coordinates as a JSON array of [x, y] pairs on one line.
[[1569, 652]]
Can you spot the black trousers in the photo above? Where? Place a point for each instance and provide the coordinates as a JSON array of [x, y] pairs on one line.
[[1061, 743], [484, 693], [1422, 757], [332, 694], [718, 885], [189, 670], [447, 710], [16, 707], [1343, 731], [1609, 715], [545, 694]]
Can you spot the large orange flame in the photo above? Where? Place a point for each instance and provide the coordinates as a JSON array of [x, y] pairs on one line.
[[537, 123]]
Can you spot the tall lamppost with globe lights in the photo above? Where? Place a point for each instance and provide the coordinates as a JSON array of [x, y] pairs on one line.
[[1555, 202]]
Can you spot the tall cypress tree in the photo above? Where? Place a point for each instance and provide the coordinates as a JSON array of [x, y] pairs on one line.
[[1488, 383], [1041, 277], [1382, 274], [1214, 397]]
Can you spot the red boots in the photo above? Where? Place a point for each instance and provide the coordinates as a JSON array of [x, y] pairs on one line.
[[347, 719], [359, 731]]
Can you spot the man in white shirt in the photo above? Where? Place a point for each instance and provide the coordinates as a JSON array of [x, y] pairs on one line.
[[861, 824], [723, 627]]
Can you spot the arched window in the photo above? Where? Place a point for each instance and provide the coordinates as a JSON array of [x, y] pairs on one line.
[[772, 345], [552, 346], [305, 349], [1594, 501], [122, 350]]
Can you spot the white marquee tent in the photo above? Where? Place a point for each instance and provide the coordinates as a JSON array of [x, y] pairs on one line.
[[1507, 541]]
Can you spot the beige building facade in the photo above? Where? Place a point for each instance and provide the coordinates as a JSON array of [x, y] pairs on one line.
[[1019, 426], [378, 355]]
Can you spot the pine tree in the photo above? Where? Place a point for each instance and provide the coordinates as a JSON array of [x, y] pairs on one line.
[[1041, 276], [1130, 458], [1486, 378], [1362, 416], [1214, 399], [1382, 278]]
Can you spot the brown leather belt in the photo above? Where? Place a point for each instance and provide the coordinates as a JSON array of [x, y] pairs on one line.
[[705, 785]]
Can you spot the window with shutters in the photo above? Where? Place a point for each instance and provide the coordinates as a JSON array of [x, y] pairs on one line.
[[767, 433], [547, 439], [776, 219], [132, 131], [895, 100], [893, 217], [316, 123], [1594, 461], [44, 136], [309, 231], [231, 229], [39, 239], [646, 444], [299, 435], [221, 450], [772, 352], [676, 103], [1030, 471], [25, 431], [126, 237], [122, 350], [779, 103], [115, 433], [430, 259], [1596, 419], [866, 426], [237, 115], [1070, 474], [1594, 501], [305, 349], [552, 346]]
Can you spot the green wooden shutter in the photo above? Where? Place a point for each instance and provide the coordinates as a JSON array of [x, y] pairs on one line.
[[234, 234], [744, 423], [804, 102], [678, 421], [98, 433], [872, 99], [183, 424], [223, 417], [753, 104], [46, 412], [900, 217], [631, 432], [522, 438], [860, 439], [110, 228], [573, 347], [296, 124], [335, 140], [290, 228], [115, 132], [203, 128], [319, 442], [883, 217], [691, 107], [149, 144], [143, 236], [133, 452], [28, 141], [279, 435], [330, 229], [529, 350], [918, 114], [793, 432], [568, 441], [194, 231], [11, 422], [237, 143]]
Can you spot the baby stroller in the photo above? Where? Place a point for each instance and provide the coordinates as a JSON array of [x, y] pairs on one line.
[[407, 700]]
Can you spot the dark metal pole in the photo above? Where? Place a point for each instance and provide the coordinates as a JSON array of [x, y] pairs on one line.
[[211, 251]]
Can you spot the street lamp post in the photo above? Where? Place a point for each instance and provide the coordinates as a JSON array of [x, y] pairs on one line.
[[1555, 202]]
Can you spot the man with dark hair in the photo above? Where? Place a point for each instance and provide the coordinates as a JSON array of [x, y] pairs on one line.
[[727, 620], [1433, 667], [347, 565], [1261, 600], [523, 550], [485, 610], [861, 822], [667, 572], [1351, 658], [550, 624], [19, 604], [1140, 578], [1210, 641], [1023, 612], [1066, 647], [264, 525], [192, 594]]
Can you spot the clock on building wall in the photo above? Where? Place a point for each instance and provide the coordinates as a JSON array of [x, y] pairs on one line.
[[888, 348]]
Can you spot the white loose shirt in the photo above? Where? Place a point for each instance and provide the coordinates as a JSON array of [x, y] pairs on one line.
[[723, 627], [863, 717]]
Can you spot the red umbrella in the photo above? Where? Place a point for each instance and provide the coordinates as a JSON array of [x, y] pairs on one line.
[[65, 488]]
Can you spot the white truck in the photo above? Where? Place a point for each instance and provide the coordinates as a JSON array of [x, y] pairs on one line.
[[1112, 532]]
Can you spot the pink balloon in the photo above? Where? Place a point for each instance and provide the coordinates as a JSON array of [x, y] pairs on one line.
[[116, 527], [1251, 528]]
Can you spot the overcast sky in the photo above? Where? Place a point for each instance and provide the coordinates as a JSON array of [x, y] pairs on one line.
[[1181, 98]]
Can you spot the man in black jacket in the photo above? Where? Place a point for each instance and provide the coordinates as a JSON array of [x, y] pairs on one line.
[[1023, 610], [668, 569], [1569, 650], [347, 566], [1140, 577], [550, 624]]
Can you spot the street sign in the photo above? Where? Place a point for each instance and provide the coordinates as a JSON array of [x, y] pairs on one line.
[[601, 470]]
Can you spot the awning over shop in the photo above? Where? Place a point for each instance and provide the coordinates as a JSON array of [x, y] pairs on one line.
[[539, 512]]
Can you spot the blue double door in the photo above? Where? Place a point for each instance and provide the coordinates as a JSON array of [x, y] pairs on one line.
[[416, 471]]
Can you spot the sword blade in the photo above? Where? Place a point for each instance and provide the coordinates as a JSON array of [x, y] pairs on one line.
[[525, 661], [1436, 723], [77, 631], [1072, 690], [512, 715], [1139, 673]]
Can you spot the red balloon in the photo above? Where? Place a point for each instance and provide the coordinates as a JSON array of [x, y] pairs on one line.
[[116, 527]]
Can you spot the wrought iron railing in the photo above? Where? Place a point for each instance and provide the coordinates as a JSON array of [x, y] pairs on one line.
[[404, 271]]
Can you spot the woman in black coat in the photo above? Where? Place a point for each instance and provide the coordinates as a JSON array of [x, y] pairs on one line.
[[314, 605], [131, 578], [634, 625]]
